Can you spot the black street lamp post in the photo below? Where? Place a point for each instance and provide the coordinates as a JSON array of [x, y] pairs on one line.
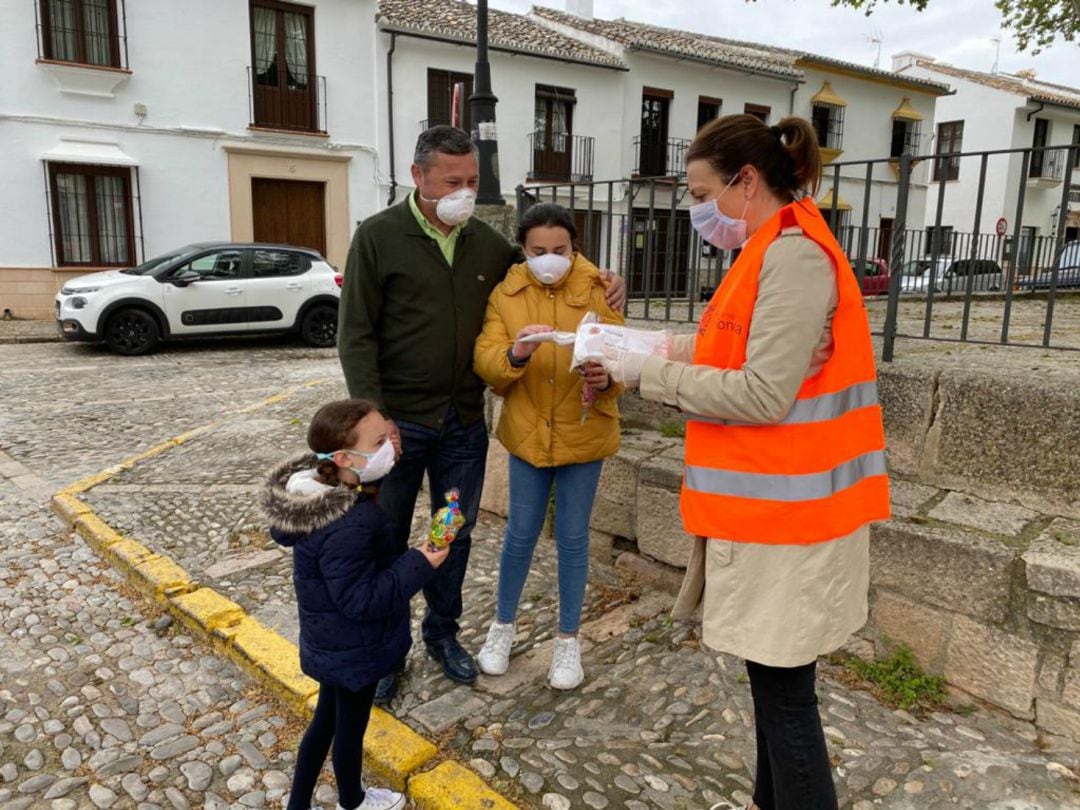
[[482, 113]]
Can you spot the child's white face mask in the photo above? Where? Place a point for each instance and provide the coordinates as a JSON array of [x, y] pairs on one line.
[[550, 268], [378, 464]]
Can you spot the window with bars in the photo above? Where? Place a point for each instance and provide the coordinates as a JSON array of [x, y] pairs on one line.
[[92, 215], [283, 56], [828, 121], [759, 111], [906, 133], [950, 138], [84, 32]]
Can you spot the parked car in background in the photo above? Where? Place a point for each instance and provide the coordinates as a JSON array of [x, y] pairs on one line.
[[875, 276], [985, 275], [209, 288], [920, 275], [1067, 269]]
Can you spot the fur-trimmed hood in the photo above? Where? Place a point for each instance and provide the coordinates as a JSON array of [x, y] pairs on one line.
[[294, 514]]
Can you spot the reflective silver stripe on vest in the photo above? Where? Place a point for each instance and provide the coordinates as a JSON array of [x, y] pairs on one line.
[[769, 487], [814, 409]]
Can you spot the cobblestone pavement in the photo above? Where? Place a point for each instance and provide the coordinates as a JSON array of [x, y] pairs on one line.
[[658, 723]]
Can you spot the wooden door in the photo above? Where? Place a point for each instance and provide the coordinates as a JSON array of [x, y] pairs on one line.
[[290, 212]]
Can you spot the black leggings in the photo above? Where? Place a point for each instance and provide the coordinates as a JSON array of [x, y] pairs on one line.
[[793, 771], [340, 717]]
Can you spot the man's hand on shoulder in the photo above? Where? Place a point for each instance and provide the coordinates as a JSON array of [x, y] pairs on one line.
[[616, 290]]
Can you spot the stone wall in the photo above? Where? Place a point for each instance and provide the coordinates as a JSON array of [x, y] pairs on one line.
[[979, 569]]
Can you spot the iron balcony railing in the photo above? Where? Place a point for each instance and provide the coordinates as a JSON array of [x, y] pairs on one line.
[[296, 103], [660, 158], [1049, 165], [947, 260], [560, 157]]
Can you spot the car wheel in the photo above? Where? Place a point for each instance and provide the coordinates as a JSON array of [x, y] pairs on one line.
[[131, 332], [319, 327]]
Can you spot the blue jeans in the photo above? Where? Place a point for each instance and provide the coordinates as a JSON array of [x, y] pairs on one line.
[[530, 489], [453, 457]]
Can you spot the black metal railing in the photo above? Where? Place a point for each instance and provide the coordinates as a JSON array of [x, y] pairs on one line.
[[96, 38], [560, 157], [660, 158], [945, 261], [294, 103], [1049, 165]]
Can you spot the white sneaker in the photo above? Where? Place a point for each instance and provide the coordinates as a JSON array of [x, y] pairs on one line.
[[380, 799], [566, 671], [494, 657]]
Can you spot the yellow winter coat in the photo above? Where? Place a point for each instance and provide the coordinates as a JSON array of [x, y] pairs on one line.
[[541, 417]]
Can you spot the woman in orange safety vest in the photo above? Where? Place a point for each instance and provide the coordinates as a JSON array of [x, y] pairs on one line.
[[785, 461]]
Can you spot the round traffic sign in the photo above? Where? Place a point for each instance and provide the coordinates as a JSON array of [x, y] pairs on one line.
[[1002, 226]]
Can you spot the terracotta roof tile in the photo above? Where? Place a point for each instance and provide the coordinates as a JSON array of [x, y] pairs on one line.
[[1030, 88], [456, 20]]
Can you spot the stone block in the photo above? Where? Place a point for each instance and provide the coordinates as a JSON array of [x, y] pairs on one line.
[[1052, 561], [664, 470], [907, 496], [660, 532], [1008, 430], [451, 785], [993, 665], [601, 547], [657, 575], [1057, 719], [955, 570], [906, 393], [393, 751], [615, 508], [1070, 693], [1050, 672], [1054, 611], [924, 629], [496, 495], [645, 414], [988, 516]]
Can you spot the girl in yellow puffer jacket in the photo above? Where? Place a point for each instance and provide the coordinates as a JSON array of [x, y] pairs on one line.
[[550, 438]]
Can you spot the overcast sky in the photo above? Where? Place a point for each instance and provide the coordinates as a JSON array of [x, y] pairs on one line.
[[954, 31]]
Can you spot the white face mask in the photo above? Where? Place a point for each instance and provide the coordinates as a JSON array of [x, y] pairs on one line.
[[456, 207], [378, 464], [550, 268], [716, 227]]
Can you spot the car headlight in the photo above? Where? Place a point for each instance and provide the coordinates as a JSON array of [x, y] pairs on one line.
[[78, 302], [79, 290]]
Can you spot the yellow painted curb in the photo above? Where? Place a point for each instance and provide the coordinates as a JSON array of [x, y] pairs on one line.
[[69, 508], [452, 785], [393, 752], [204, 610]]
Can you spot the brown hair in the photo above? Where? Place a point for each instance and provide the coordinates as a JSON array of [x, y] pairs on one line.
[[333, 428], [787, 154]]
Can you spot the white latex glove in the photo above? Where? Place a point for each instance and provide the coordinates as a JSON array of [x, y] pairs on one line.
[[624, 367]]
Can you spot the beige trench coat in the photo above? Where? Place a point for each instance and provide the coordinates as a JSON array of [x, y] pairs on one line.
[[785, 605]]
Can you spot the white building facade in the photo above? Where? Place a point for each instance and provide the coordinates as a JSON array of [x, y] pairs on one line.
[[130, 130], [992, 112]]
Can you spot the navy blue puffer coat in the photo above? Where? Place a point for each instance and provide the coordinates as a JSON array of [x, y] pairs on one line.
[[352, 588]]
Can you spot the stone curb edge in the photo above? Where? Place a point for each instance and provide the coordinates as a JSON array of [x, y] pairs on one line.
[[393, 752]]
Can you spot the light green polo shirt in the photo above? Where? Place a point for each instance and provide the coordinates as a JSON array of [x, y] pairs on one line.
[[446, 242]]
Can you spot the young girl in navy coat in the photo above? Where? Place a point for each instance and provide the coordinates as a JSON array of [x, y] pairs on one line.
[[352, 589]]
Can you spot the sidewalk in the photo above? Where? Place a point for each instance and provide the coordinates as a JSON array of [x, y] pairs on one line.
[[658, 724], [28, 332]]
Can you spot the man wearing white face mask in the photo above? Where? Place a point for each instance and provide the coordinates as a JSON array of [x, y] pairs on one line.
[[416, 286]]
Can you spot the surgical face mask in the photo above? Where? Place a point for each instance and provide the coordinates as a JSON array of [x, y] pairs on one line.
[[716, 227], [378, 464], [549, 268], [456, 207]]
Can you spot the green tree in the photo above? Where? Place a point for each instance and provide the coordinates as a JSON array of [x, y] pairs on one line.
[[1034, 22]]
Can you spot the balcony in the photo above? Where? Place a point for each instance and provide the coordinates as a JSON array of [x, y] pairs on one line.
[[560, 157], [660, 158], [296, 103], [1047, 168]]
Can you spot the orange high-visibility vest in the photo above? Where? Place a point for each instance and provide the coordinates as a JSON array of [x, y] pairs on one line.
[[818, 474]]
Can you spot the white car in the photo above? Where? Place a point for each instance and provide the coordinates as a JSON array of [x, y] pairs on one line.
[[915, 275], [210, 288]]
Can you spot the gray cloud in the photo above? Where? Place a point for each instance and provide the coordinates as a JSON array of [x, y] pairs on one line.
[[956, 31]]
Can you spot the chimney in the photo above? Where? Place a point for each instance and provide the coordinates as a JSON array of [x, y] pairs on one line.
[[580, 8], [905, 59], [1027, 74]]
